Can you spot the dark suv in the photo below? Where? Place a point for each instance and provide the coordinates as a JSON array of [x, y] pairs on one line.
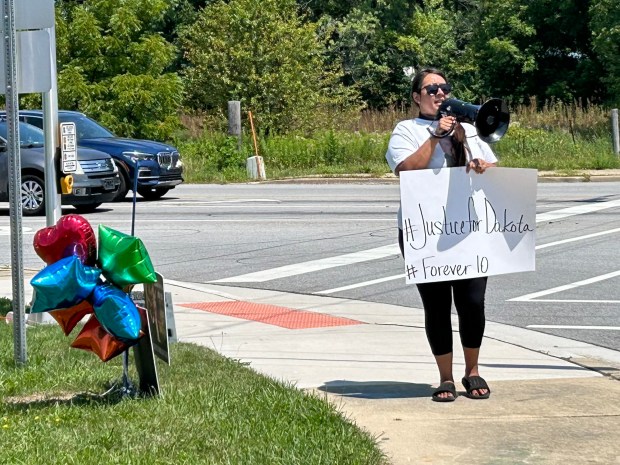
[[95, 181], [160, 166]]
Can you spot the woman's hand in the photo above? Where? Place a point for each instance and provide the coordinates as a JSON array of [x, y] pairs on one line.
[[445, 126], [478, 165]]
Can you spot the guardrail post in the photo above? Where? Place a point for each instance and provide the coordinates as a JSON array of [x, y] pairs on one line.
[[234, 120]]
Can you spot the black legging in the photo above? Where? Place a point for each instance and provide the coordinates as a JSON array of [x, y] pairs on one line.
[[437, 301]]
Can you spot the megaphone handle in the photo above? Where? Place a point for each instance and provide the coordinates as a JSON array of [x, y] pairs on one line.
[[434, 133]]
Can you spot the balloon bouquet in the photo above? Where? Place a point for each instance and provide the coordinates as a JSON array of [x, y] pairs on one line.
[[71, 287]]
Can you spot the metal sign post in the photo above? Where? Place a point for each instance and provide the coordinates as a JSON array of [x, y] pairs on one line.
[[15, 180], [26, 59]]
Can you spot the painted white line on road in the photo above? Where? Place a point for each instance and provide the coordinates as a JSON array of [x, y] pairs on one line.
[[382, 252], [603, 328], [275, 205], [279, 219], [566, 287], [576, 210], [313, 265], [578, 301], [402, 276], [6, 230], [364, 284], [580, 238]]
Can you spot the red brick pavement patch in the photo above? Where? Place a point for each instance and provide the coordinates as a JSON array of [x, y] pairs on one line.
[[272, 314]]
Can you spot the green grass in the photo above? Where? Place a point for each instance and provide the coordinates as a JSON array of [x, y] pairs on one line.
[[212, 410], [554, 150]]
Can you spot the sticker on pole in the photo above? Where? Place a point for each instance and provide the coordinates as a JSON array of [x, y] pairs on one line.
[[68, 147]]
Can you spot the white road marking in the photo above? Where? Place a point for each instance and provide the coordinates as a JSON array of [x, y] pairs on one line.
[[580, 238], [382, 252], [6, 230], [274, 204], [576, 210], [566, 287], [279, 219], [580, 301], [603, 328], [402, 276], [363, 284], [313, 265]]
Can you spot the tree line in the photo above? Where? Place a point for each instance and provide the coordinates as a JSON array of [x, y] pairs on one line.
[[137, 64]]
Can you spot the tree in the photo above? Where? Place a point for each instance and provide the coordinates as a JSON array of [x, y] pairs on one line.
[[262, 54], [113, 65], [431, 42], [499, 59], [366, 41], [605, 25]]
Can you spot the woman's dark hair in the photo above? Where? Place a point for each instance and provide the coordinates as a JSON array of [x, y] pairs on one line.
[[459, 146], [416, 82]]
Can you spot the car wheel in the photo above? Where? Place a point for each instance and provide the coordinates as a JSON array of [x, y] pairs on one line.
[[32, 195], [153, 193], [123, 187], [87, 208]]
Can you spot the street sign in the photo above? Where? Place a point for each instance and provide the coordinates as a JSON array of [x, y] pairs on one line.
[[33, 63], [68, 148], [34, 14], [32, 17]]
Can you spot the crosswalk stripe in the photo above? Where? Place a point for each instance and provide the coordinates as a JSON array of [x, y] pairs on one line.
[[314, 265], [386, 251]]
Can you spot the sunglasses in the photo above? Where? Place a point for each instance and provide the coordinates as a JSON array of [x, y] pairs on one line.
[[432, 89]]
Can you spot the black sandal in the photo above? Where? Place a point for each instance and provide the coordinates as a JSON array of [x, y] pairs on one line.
[[446, 386], [476, 383]]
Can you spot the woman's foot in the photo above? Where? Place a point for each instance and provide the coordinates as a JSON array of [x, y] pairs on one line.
[[446, 392], [476, 387], [479, 390]]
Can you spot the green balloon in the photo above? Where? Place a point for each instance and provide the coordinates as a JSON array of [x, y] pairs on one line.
[[123, 259]]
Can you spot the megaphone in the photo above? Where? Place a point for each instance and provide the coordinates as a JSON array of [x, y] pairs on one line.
[[490, 119]]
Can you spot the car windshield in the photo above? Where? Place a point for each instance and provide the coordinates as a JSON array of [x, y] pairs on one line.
[[29, 136], [86, 128]]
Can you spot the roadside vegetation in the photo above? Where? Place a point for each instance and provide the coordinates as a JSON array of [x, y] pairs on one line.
[[212, 410], [568, 139]]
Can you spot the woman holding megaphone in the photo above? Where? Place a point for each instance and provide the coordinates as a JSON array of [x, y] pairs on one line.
[[436, 140]]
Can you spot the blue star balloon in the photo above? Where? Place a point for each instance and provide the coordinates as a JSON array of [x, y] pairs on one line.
[[116, 312], [63, 284]]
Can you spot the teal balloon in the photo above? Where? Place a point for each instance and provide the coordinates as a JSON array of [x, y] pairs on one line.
[[63, 284], [124, 258], [116, 312]]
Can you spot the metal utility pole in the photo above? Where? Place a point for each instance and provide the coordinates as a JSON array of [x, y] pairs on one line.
[[15, 180]]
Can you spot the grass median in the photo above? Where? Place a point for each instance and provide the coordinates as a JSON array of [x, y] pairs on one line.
[[212, 410]]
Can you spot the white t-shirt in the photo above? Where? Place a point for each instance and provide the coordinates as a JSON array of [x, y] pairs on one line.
[[410, 134]]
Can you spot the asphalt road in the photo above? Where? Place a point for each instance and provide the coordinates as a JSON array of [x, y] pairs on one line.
[[340, 240]]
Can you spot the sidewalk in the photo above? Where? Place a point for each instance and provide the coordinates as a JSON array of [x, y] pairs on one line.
[[546, 407], [373, 363]]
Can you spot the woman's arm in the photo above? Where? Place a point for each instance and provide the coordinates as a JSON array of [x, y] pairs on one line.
[[420, 159]]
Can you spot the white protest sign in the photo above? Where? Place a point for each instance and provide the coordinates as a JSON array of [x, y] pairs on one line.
[[459, 225]]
